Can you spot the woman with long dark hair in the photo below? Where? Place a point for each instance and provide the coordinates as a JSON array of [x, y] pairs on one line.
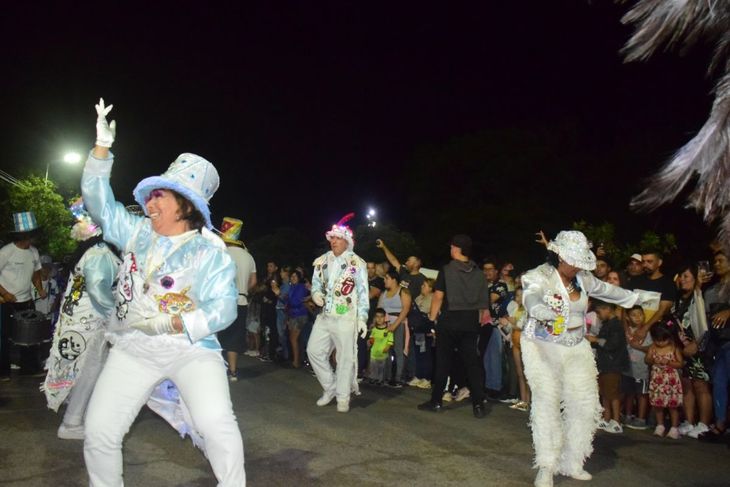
[[79, 349]]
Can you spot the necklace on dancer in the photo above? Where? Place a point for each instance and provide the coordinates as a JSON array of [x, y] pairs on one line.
[[570, 288]]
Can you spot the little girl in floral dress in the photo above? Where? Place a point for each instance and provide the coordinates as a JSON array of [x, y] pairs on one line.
[[665, 385]]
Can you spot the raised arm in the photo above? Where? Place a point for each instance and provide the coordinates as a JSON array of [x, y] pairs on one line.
[[116, 222], [388, 254]]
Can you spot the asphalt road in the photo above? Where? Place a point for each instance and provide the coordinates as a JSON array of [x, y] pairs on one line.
[[383, 440]]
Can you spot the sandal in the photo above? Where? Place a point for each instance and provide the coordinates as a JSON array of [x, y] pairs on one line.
[[714, 435]]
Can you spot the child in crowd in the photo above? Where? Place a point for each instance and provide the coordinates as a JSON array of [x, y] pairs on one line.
[[253, 319], [665, 386], [422, 336], [517, 315], [612, 359], [635, 385], [380, 342]]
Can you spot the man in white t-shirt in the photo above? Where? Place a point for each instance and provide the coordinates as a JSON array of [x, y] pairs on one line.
[[233, 338], [20, 268]]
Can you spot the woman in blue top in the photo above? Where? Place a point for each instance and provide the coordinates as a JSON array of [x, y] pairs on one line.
[[296, 313], [176, 289]]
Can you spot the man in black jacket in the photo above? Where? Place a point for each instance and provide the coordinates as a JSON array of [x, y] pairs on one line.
[[461, 298]]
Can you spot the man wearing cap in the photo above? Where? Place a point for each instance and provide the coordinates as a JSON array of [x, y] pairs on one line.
[[176, 289], [340, 287], [559, 364], [460, 300], [233, 338], [20, 269], [634, 270]]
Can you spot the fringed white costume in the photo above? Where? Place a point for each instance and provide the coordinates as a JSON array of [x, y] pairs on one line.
[[559, 365]]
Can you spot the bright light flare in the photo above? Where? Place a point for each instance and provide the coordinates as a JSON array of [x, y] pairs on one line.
[[72, 158]]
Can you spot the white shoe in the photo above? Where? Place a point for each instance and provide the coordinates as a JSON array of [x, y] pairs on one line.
[[343, 406], [462, 394], [685, 428], [71, 432], [659, 430], [414, 382], [602, 425], [614, 427], [580, 475], [325, 399], [698, 430], [673, 433], [544, 478], [447, 397]]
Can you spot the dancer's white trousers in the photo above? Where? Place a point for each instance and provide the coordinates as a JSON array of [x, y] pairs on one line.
[[564, 378], [124, 387], [339, 334]]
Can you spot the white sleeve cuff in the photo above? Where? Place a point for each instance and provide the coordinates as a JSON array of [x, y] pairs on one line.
[[195, 325]]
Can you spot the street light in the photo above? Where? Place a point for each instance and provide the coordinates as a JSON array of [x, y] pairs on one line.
[[68, 158], [371, 217]]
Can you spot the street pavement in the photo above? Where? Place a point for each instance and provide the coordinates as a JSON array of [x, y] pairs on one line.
[[383, 440]]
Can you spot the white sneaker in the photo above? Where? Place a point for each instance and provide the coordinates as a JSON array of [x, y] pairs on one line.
[[673, 433], [325, 399], [698, 430], [544, 478], [462, 394], [414, 382], [581, 474], [447, 397], [602, 425], [685, 427], [71, 432], [343, 406], [659, 430], [613, 427]]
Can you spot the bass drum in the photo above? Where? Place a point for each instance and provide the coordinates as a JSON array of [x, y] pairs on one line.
[[30, 327]]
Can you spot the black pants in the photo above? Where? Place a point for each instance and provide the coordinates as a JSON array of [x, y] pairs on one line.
[[29, 356], [466, 342], [268, 322]]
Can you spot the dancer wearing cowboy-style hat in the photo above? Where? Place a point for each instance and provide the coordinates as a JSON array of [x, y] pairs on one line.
[[340, 288], [559, 365]]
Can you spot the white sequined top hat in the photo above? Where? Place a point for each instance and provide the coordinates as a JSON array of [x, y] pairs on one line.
[[573, 247], [190, 175], [341, 230], [25, 222]]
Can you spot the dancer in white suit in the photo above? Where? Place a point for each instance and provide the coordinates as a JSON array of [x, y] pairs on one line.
[[559, 365], [340, 287]]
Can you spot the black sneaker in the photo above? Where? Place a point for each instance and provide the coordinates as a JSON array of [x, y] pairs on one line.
[[480, 409], [430, 406]]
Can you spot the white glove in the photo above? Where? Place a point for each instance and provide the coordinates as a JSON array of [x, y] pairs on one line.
[[105, 131], [156, 325], [318, 299], [362, 328]]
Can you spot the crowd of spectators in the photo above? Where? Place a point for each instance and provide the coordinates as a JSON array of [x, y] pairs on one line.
[[671, 355]]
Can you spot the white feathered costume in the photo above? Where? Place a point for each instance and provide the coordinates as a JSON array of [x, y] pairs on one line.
[[559, 365]]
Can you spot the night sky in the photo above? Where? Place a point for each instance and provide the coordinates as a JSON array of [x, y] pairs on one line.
[[310, 110]]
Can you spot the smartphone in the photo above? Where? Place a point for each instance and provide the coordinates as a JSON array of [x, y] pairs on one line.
[[703, 269]]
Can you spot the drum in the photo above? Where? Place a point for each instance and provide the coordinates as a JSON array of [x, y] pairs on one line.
[[30, 327]]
